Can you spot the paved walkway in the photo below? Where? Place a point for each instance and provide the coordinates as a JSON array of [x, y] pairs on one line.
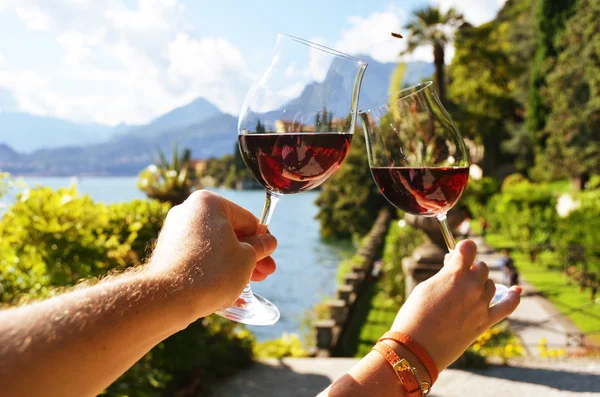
[[303, 377], [536, 317]]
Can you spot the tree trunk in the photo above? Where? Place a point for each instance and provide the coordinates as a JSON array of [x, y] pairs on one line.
[[578, 182], [440, 81]]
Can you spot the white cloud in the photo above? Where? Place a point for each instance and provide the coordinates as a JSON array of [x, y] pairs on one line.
[[475, 12], [124, 64], [33, 18], [371, 35]]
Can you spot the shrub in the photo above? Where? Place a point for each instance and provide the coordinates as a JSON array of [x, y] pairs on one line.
[[400, 242], [289, 345], [51, 239], [477, 194], [579, 229], [524, 213]]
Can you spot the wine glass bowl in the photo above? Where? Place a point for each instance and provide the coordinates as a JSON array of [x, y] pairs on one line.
[[418, 157], [294, 131]]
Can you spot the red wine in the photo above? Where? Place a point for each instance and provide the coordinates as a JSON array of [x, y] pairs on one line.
[[422, 191], [293, 162]]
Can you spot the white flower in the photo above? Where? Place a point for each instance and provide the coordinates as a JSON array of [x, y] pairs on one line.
[[565, 205]]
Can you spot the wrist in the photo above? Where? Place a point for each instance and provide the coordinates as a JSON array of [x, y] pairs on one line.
[[403, 352]]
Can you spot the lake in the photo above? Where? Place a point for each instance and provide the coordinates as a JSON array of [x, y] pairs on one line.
[[306, 266]]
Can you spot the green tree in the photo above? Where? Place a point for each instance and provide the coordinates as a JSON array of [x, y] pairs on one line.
[[487, 75], [349, 202], [550, 19], [573, 97], [430, 26]]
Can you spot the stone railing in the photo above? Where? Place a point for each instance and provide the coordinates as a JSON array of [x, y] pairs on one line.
[[341, 308]]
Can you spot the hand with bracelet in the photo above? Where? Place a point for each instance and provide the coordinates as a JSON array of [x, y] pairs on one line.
[[437, 323]]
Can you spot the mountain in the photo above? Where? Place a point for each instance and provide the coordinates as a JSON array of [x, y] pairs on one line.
[[376, 81], [129, 153], [66, 148], [192, 113], [27, 132]]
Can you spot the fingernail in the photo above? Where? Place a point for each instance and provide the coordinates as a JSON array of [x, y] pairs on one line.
[[519, 289]]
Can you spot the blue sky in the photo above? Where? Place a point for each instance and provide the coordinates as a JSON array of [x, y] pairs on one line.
[[114, 61]]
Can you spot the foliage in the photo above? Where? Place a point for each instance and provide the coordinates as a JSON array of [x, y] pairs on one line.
[[489, 108], [51, 239], [225, 171], [431, 26], [349, 201], [578, 229], [573, 99], [289, 345], [54, 238], [477, 194], [526, 214], [169, 181], [550, 18], [400, 243]]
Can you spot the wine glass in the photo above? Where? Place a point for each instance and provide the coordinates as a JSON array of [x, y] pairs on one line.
[[418, 157], [294, 131]]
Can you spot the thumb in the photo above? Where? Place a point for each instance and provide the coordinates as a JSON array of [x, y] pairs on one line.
[[263, 244], [463, 256]]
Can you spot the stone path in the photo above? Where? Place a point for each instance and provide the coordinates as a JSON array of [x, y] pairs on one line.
[[302, 377], [535, 318]]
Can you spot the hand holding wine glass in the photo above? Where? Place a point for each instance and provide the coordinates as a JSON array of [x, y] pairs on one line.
[[418, 157], [294, 144]]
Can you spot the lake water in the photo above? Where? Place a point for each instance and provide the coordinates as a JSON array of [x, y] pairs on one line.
[[306, 266]]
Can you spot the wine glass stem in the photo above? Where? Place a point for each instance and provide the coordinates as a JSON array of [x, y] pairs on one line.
[[270, 204], [446, 232]]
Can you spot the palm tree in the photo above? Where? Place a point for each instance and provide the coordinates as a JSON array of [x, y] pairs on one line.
[[430, 26]]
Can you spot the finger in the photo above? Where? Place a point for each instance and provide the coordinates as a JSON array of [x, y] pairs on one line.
[[481, 271], [263, 244], [489, 290], [258, 276], [463, 255], [506, 307], [243, 221], [266, 266]]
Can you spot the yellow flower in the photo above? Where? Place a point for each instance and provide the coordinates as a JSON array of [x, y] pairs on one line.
[[476, 347], [562, 352]]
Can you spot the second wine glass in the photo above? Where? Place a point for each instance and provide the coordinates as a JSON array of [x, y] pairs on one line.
[[295, 129], [418, 157]]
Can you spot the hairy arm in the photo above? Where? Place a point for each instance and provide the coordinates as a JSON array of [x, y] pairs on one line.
[[78, 343]]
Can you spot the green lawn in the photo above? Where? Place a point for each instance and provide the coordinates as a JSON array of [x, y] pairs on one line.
[[547, 277], [378, 322]]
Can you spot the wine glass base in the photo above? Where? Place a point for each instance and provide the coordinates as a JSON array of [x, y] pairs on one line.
[[500, 295], [251, 309]]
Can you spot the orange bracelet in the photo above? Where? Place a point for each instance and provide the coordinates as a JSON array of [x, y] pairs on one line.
[[406, 373], [416, 349]]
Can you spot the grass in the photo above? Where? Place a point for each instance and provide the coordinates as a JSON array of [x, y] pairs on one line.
[[547, 276], [378, 321]]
